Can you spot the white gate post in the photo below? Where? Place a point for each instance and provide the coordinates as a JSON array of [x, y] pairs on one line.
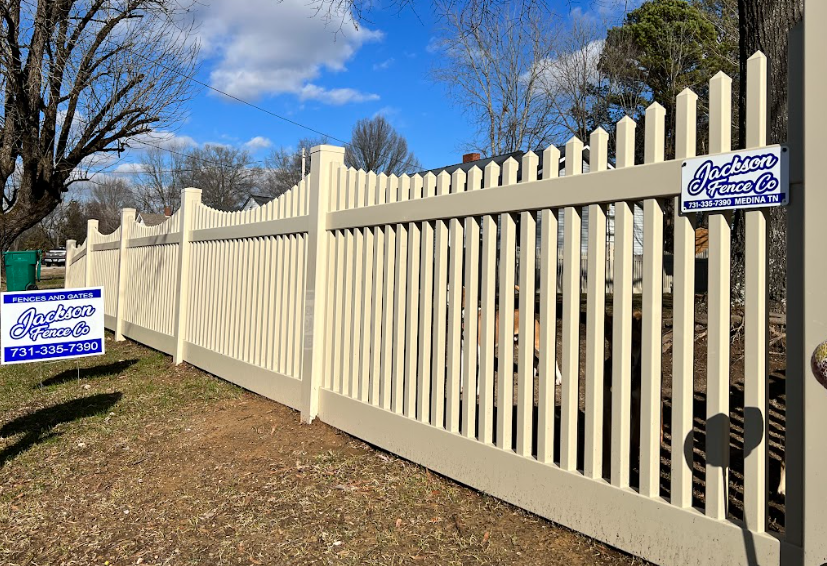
[[91, 230], [71, 246], [127, 219], [190, 200], [324, 161], [806, 448]]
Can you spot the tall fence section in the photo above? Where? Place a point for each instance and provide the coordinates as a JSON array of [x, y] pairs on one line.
[[371, 302]]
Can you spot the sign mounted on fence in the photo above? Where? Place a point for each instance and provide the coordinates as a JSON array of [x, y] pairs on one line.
[[752, 178], [49, 325]]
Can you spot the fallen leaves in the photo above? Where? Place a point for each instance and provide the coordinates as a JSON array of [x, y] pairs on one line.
[[198, 477]]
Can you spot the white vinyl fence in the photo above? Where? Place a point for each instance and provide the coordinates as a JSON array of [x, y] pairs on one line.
[[352, 299]]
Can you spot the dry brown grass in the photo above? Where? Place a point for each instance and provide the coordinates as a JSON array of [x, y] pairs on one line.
[[141, 462]]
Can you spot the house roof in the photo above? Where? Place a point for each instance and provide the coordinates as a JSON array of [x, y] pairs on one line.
[[260, 200], [500, 159], [151, 218]]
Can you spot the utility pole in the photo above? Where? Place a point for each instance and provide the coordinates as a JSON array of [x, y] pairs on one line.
[[303, 157]]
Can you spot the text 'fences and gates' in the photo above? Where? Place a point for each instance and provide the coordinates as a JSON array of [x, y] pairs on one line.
[[379, 304]]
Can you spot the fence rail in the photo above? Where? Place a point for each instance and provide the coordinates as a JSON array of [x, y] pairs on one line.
[[357, 298]]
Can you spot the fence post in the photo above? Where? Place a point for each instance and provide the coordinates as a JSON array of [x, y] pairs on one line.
[[806, 456], [190, 199], [324, 159], [91, 229], [71, 246], [127, 219]]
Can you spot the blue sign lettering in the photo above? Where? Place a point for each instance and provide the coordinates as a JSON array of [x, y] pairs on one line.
[[37, 326], [744, 179], [716, 180]]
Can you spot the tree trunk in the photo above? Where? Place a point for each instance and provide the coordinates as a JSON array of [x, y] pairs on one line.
[[35, 200], [764, 25]]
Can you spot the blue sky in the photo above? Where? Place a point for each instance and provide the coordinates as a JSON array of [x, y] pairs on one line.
[[387, 74], [278, 55]]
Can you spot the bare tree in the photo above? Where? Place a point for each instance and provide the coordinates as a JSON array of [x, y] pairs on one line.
[[490, 67], [574, 81], [283, 167], [622, 86], [723, 15], [222, 173], [53, 226], [161, 178], [109, 196], [66, 222], [76, 78], [376, 146]]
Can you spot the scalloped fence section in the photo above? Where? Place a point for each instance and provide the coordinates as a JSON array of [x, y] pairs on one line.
[[373, 302], [76, 269], [168, 226]]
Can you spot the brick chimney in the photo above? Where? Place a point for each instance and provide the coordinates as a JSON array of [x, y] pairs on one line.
[[470, 157], [167, 211]]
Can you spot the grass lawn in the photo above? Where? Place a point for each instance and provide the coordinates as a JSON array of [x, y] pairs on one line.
[[137, 461]]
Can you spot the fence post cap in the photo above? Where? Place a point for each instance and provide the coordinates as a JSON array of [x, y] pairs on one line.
[[190, 195], [330, 148], [600, 132]]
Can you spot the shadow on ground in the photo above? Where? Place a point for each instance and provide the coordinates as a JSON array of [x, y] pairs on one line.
[[39, 426], [71, 374]]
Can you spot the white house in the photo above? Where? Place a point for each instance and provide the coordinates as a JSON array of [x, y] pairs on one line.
[[255, 201], [152, 218]]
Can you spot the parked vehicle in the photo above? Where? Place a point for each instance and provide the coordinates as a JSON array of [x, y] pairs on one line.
[[55, 257]]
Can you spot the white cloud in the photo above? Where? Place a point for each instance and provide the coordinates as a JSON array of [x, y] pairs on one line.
[[335, 96], [571, 67], [386, 111], [261, 47], [162, 139], [258, 142], [435, 45], [127, 168], [384, 65]]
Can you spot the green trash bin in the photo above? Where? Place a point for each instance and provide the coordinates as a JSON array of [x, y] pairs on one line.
[[22, 270]]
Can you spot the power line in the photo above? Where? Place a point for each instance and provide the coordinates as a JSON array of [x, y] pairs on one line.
[[190, 155], [233, 97], [136, 172], [247, 103], [184, 155]]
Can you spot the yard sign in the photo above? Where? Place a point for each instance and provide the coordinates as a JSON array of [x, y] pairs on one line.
[[754, 178], [48, 325]]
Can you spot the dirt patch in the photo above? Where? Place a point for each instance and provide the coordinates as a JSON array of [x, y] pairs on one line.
[[136, 461]]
